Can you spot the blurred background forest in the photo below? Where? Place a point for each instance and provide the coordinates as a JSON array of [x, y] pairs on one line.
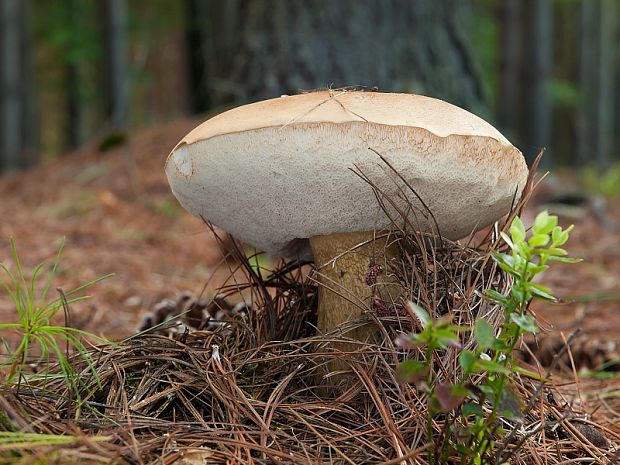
[[72, 71]]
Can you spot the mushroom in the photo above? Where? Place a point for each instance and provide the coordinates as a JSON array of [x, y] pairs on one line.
[[278, 174]]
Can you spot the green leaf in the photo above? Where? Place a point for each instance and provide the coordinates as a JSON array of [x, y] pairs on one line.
[[462, 450], [472, 409], [541, 291], [564, 259], [524, 250], [558, 252], [526, 322], [492, 367], [509, 405], [484, 334], [423, 316], [493, 294], [535, 268], [517, 230], [559, 236], [458, 328], [540, 222], [529, 374], [518, 293], [544, 223], [503, 258], [446, 338], [500, 345], [467, 359], [508, 269], [538, 240], [488, 390], [411, 371], [422, 338]]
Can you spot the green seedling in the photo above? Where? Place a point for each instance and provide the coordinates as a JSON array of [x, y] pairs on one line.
[[473, 407], [38, 335]]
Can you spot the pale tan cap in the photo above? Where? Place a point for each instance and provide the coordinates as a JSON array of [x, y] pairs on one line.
[[281, 169]]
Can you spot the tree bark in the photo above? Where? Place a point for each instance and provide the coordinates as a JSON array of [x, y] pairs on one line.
[[10, 85], [28, 95], [607, 69], [73, 83], [588, 62], [510, 63], [284, 46], [198, 43], [115, 42], [538, 108]]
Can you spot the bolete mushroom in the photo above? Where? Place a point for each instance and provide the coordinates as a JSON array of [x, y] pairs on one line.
[[277, 174]]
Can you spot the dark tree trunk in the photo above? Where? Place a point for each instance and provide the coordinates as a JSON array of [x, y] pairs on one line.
[[510, 63], [607, 69], [538, 110], [115, 43], [267, 48], [74, 106], [588, 62], [598, 116], [73, 84], [11, 114], [198, 39], [28, 94]]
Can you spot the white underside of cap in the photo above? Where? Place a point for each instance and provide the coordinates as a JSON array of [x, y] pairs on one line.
[[270, 186]]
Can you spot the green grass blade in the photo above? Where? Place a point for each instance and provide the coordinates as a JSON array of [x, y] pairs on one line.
[[52, 274], [21, 441], [88, 284]]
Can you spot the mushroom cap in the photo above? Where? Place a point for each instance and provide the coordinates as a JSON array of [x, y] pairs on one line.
[[279, 171]]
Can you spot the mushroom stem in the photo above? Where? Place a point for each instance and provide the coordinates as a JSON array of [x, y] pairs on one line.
[[343, 261]]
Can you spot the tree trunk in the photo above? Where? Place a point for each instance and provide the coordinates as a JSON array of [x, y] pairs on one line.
[[115, 42], [28, 95], [608, 59], [510, 63], [73, 83], [588, 61], [283, 46], [74, 136], [10, 85], [198, 42], [538, 109]]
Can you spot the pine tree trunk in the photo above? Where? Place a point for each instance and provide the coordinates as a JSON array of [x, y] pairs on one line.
[[537, 78], [10, 85], [608, 55], [115, 42], [510, 63], [28, 95], [198, 42], [73, 85], [588, 62], [267, 48]]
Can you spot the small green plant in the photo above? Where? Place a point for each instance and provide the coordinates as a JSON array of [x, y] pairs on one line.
[[35, 311], [472, 408]]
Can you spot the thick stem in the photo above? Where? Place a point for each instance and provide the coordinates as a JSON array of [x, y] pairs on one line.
[[343, 261]]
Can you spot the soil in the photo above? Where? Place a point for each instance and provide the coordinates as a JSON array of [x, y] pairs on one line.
[[117, 215]]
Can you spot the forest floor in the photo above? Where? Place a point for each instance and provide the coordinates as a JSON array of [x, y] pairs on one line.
[[116, 213]]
